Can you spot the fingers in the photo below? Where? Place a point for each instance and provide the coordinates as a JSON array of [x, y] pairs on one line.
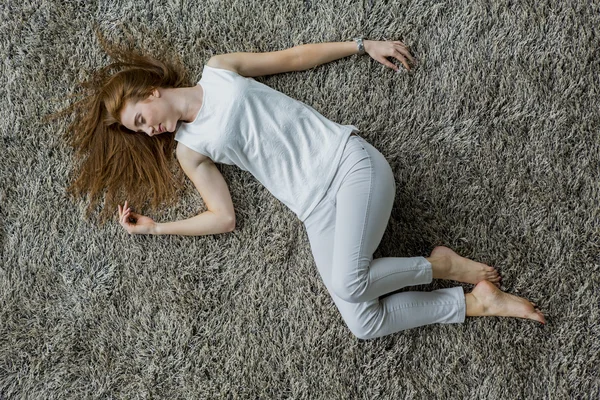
[[395, 49], [402, 60], [123, 217], [398, 43], [124, 214], [387, 63], [404, 56], [404, 51], [127, 218]]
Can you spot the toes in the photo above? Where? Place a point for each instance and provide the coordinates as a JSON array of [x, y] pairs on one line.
[[534, 316], [537, 316], [491, 272], [541, 318]]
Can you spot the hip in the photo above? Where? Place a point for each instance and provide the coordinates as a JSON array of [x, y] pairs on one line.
[[360, 162]]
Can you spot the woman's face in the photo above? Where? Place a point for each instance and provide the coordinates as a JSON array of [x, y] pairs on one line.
[[152, 116]]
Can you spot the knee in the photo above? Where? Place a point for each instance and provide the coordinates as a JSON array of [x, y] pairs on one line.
[[362, 334], [351, 286], [364, 326], [348, 291]]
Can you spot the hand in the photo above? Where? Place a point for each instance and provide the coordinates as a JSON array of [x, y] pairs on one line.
[[379, 50], [135, 223]]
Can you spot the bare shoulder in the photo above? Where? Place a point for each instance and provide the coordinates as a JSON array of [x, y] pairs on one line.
[[188, 158]]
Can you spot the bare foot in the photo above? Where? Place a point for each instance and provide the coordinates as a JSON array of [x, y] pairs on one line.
[[487, 300], [447, 264]]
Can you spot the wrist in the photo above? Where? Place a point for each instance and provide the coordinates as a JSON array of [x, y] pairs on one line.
[[155, 229]]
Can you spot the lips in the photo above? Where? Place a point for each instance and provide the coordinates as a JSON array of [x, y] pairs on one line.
[[161, 129]]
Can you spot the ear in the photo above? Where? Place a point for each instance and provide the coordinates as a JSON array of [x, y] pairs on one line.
[[156, 93]]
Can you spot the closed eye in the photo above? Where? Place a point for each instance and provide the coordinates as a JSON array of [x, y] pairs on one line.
[[140, 120]]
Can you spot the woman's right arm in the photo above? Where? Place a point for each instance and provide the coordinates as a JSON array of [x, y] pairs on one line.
[[219, 218]]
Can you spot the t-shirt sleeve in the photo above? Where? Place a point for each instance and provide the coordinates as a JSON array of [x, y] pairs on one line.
[[219, 73]]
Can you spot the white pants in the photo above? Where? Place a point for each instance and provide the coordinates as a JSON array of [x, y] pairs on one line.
[[344, 231]]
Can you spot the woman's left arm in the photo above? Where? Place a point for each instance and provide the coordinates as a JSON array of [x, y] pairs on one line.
[[313, 54]]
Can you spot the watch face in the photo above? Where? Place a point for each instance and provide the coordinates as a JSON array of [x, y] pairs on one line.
[[359, 42]]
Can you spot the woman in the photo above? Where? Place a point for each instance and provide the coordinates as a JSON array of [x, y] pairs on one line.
[[339, 185]]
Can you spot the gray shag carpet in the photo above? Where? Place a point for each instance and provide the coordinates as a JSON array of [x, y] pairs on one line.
[[495, 144]]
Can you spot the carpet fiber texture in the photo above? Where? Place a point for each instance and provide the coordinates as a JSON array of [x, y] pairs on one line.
[[494, 141]]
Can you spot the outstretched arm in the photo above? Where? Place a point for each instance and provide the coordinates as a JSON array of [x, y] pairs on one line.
[[314, 54], [306, 56], [311, 55]]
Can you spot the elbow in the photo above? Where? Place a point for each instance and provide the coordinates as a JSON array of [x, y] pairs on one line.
[[298, 59], [229, 223], [303, 59]]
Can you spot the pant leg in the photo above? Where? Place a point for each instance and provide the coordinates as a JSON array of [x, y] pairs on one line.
[[374, 317], [364, 199]]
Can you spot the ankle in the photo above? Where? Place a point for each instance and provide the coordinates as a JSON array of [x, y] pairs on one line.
[[440, 267], [474, 307]]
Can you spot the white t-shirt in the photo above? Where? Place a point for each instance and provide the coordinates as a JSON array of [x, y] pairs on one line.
[[285, 144]]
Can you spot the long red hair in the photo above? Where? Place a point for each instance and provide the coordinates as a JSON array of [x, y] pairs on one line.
[[112, 162]]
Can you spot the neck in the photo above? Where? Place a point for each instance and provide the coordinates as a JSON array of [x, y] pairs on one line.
[[187, 101]]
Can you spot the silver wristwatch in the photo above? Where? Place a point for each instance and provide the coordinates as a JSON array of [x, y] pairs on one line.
[[361, 46]]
